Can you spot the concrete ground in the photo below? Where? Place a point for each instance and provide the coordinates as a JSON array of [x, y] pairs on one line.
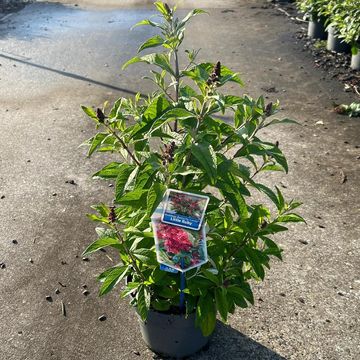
[[55, 57]]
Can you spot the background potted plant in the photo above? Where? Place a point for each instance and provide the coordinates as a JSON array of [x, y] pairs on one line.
[[347, 21], [177, 138], [312, 10], [335, 11]]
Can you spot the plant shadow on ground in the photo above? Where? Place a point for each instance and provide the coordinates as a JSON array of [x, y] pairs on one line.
[[229, 344]]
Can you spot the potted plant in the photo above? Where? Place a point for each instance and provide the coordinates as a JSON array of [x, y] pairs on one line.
[[178, 138], [335, 11], [312, 10], [348, 23]]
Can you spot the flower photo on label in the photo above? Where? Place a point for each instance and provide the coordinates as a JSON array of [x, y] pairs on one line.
[[179, 248]]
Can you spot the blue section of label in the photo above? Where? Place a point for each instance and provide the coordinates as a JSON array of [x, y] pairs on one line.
[[180, 220], [168, 269]]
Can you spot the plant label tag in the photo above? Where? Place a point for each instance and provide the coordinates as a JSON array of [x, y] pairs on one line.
[[184, 209], [168, 269]]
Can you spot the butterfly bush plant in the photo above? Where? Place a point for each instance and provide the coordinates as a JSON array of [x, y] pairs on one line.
[[188, 135]]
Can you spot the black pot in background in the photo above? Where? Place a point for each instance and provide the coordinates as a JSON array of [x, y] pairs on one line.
[[172, 335], [316, 28], [336, 44]]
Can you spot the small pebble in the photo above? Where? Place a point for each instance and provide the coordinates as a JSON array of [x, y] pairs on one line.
[[31, 261], [72, 182], [2, 197], [110, 185], [302, 300], [63, 262], [303, 241], [84, 286], [102, 318], [85, 259], [49, 298], [341, 293], [57, 291], [54, 194], [137, 353], [2, 265], [86, 292], [15, 242], [20, 332], [327, 320], [282, 294]]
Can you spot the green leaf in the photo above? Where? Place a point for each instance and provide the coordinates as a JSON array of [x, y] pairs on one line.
[[253, 221], [147, 22], [238, 291], [152, 42], [235, 199], [90, 112], [161, 8], [122, 179], [134, 197], [143, 302], [221, 302], [112, 279], [95, 142], [206, 314], [255, 259], [206, 156], [110, 171], [156, 108], [160, 60], [280, 198], [212, 277], [270, 194], [290, 218], [101, 243], [146, 256], [191, 14], [161, 305], [154, 197]]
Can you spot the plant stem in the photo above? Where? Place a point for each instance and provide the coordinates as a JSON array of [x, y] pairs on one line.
[[123, 144]]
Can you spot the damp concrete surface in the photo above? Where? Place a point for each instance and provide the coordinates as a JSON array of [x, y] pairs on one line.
[[56, 56]]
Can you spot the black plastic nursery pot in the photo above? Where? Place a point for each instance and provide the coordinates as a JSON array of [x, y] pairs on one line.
[[316, 28], [336, 44], [172, 335]]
